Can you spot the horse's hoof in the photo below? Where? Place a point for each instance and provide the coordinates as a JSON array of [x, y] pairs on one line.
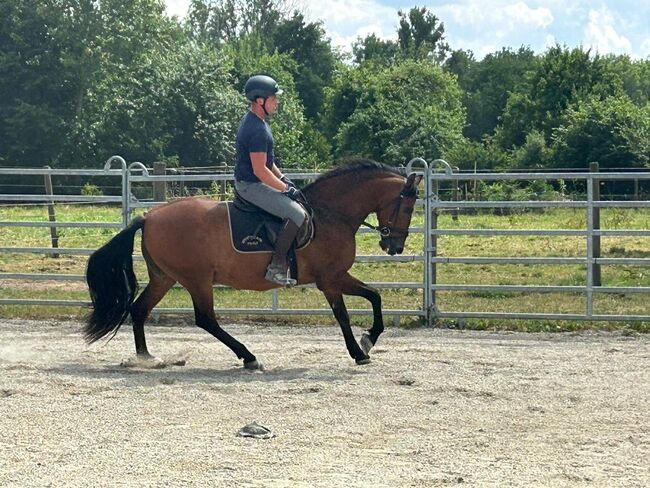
[[254, 365], [362, 361], [366, 343]]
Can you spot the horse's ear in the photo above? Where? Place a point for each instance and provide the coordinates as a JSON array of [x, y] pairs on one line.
[[413, 180]]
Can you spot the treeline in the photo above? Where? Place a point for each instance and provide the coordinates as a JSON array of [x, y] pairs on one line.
[[81, 80]]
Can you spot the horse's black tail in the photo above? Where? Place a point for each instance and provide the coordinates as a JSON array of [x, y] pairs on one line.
[[111, 283]]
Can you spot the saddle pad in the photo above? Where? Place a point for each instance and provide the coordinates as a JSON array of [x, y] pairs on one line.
[[256, 231]]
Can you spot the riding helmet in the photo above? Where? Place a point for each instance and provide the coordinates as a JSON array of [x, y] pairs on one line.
[[261, 86]]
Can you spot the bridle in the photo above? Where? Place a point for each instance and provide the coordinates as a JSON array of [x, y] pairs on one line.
[[388, 230]]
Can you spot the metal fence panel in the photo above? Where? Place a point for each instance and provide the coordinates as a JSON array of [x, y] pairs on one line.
[[433, 203]]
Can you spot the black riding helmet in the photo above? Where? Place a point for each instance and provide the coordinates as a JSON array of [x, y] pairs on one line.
[[261, 86]]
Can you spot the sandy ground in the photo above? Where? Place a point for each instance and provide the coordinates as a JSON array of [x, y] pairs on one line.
[[434, 408]]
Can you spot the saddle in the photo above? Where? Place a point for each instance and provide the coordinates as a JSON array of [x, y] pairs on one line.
[[254, 230]]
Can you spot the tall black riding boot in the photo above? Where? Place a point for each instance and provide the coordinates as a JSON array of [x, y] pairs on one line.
[[277, 270]]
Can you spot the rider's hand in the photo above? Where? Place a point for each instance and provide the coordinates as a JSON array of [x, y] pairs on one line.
[[285, 179], [293, 193]]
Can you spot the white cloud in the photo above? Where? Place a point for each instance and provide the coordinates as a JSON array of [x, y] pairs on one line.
[[549, 41], [345, 20], [520, 13], [601, 36], [177, 7], [502, 15], [645, 49]]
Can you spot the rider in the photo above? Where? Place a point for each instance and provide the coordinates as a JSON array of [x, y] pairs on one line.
[[257, 177]]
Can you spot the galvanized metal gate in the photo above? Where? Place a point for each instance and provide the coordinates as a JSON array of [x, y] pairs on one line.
[[592, 233]]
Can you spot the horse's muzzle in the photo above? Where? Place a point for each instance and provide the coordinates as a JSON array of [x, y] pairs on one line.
[[390, 247]]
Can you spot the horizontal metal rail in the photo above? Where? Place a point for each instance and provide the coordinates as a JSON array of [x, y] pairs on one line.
[[540, 176], [540, 204], [507, 260], [59, 198], [94, 225], [59, 172], [541, 316], [508, 232], [290, 311], [540, 232], [541, 288], [48, 303], [81, 278]]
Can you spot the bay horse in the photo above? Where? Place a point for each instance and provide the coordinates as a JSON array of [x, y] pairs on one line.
[[188, 242]]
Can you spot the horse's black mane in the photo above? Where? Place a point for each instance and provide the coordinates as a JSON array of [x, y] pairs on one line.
[[354, 166]]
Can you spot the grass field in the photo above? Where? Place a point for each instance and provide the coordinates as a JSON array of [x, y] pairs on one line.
[[449, 246]]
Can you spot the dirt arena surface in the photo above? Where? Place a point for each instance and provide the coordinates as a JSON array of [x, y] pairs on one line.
[[434, 408]]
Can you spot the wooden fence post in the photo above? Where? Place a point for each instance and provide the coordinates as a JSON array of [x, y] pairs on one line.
[[51, 214], [159, 187]]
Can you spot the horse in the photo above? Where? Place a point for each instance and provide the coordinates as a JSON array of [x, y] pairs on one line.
[[187, 241]]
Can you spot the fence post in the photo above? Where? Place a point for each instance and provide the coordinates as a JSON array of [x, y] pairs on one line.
[[159, 187], [595, 239], [51, 214], [433, 249], [454, 195]]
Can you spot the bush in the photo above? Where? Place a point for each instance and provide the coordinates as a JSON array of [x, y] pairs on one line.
[[91, 190]]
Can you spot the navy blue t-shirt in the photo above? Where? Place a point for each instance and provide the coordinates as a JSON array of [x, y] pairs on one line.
[[254, 135]]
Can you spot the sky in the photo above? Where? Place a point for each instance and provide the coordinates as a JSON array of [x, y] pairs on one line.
[[485, 26]]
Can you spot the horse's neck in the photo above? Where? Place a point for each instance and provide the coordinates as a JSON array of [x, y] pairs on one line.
[[349, 199]]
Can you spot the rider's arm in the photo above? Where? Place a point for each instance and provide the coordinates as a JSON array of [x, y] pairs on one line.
[[276, 171], [266, 176]]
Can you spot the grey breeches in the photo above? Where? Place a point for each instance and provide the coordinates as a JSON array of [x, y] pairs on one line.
[[273, 201]]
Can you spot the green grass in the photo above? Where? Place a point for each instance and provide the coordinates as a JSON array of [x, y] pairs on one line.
[[449, 246]]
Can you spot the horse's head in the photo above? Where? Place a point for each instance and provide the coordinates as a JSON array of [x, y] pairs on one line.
[[395, 217]]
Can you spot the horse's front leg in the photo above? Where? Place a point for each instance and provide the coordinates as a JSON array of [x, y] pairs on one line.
[[352, 286], [335, 299]]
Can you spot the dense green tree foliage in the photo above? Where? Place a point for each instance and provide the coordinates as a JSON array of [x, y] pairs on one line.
[[612, 131], [81, 80], [420, 36], [487, 85], [409, 108]]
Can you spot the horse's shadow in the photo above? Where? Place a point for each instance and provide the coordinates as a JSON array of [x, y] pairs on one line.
[[135, 377]]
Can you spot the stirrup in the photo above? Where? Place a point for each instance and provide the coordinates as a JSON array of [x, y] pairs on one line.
[[280, 277]]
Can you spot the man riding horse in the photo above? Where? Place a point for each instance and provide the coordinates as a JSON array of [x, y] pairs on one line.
[[258, 179]]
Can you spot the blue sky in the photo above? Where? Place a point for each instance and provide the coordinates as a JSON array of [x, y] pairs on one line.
[[484, 26]]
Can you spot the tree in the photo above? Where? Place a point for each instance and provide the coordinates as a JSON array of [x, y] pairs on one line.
[[407, 110], [36, 87], [613, 131], [373, 49], [221, 21], [421, 36], [562, 78], [307, 45], [488, 83]]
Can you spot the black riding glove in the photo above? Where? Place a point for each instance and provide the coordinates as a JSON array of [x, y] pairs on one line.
[[285, 179], [293, 193]]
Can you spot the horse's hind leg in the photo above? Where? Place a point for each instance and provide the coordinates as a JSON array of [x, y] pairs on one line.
[[203, 301], [158, 286]]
